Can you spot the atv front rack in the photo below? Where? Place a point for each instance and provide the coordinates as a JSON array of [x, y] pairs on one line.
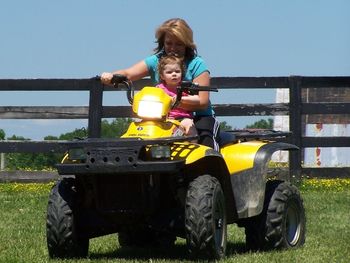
[[124, 142], [110, 156]]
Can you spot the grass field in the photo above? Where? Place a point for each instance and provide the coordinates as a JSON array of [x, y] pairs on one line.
[[327, 203]]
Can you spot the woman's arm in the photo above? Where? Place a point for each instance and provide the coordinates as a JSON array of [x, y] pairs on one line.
[[192, 100], [135, 72], [203, 80]]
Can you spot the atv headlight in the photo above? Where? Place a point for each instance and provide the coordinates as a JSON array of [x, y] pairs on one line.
[[160, 151], [152, 103], [76, 154], [150, 109]]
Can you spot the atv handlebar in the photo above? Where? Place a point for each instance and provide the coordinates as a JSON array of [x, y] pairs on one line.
[[193, 88], [121, 79], [189, 87]]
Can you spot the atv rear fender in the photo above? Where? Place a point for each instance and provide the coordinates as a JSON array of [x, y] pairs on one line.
[[248, 184]]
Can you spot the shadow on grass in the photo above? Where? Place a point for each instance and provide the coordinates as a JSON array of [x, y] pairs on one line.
[[177, 252]]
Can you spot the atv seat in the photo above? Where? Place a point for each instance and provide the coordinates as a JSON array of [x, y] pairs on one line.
[[226, 138]]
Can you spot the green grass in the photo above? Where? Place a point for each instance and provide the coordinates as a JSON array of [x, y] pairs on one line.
[[23, 216]]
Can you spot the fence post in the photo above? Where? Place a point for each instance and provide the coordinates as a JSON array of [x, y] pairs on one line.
[[295, 124], [2, 161], [95, 109]]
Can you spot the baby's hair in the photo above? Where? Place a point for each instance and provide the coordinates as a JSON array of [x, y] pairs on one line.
[[171, 59]]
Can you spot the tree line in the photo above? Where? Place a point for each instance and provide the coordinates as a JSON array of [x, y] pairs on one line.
[[109, 129]]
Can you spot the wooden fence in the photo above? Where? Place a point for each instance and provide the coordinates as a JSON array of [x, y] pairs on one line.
[[295, 109]]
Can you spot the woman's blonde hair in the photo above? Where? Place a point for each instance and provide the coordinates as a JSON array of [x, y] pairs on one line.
[[178, 28], [171, 59]]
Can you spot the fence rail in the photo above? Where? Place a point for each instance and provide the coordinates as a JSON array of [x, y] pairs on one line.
[[295, 109]]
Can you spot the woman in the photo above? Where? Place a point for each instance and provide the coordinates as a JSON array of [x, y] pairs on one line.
[[175, 37]]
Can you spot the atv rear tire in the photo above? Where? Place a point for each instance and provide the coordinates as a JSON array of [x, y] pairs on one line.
[[205, 218], [282, 223], [63, 240]]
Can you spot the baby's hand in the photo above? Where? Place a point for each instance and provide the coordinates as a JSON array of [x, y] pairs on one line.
[[187, 124]]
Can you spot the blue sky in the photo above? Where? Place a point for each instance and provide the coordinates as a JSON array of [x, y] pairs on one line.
[[80, 39]]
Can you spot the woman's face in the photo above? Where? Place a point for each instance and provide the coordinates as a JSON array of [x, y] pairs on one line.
[[173, 45]]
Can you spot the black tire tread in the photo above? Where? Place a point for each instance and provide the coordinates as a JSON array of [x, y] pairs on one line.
[[62, 239], [275, 236], [266, 231], [200, 218]]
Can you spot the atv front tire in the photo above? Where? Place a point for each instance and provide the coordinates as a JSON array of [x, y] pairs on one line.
[[205, 218], [63, 239]]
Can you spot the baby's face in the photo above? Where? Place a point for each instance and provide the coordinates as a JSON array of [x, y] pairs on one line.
[[172, 74]]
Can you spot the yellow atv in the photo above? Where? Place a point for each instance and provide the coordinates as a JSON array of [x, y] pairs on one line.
[[155, 184]]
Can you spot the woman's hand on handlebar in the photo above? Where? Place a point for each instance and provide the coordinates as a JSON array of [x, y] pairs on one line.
[[106, 78], [113, 79]]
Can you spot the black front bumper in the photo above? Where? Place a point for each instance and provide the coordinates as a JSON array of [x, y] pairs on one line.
[[111, 156], [137, 167]]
